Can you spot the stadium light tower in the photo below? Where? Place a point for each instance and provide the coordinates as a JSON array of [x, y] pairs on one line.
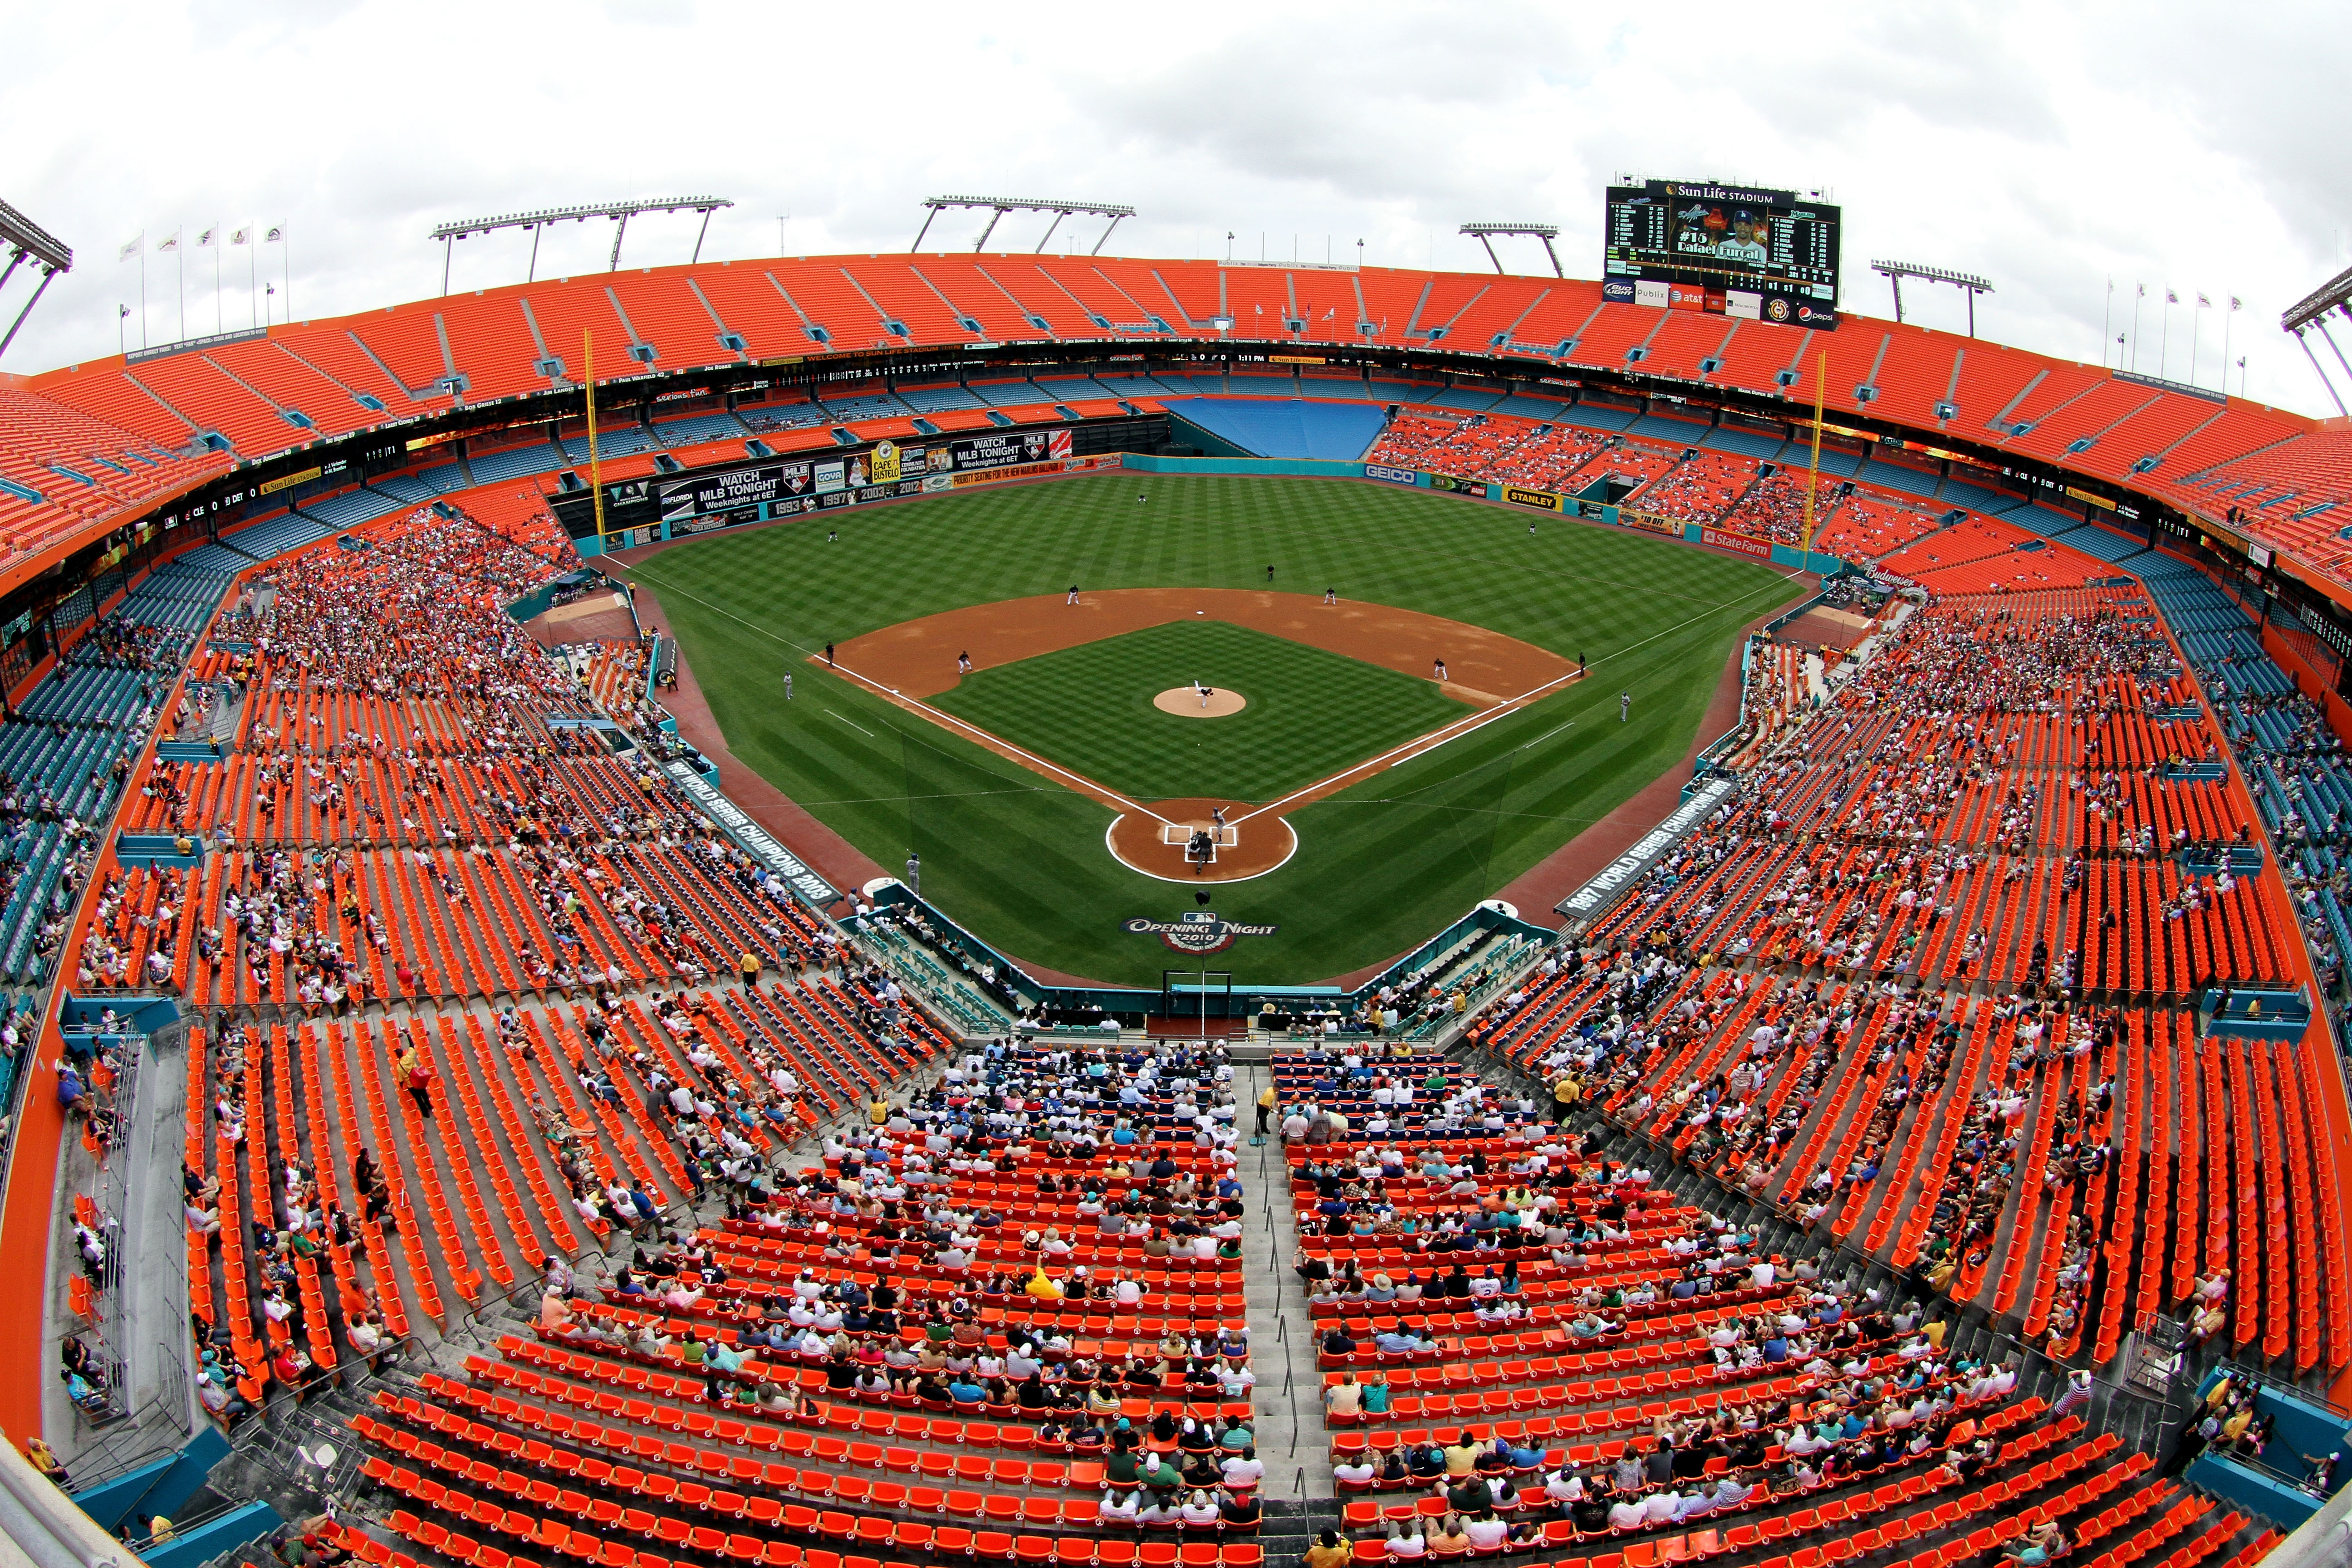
[[29, 239], [1483, 234], [1968, 283], [998, 206], [448, 234], [2312, 310]]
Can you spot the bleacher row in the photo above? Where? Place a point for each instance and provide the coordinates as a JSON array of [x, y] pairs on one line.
[[1906, 849], [380, 829], [1667, 468], [1909, 818], [66, 751], [1542, 1418], [83, 443]]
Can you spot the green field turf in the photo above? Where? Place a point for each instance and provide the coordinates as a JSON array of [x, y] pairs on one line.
[[1311, 712], [1379, 867]]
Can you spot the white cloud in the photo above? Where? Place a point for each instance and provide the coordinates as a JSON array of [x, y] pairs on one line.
[[2047, 148]]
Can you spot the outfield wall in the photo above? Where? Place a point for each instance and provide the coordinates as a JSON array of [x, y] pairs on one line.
[[813, 508]]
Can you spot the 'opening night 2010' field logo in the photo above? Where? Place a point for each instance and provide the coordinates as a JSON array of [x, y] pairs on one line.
[[1198, 931]]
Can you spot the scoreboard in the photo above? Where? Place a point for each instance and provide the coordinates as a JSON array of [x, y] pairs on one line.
[[1758, 254]]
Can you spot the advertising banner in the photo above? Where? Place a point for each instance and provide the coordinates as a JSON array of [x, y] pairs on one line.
[[885, 467], [829, 478], [995, 475], [1650, 521], [1798, 314], [1393, 476], [1655, 294], [1743, 303], [1459, 487], [763, 846], [1005, 448], [286, 481], [1542, 500], [735, 488], [1723, 540], [1590, 901], [1617, 292]]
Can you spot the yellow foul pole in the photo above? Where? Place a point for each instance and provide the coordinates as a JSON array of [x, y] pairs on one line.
[[1813, 473], [596, 472]]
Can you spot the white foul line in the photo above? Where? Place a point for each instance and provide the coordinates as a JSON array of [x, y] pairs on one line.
[[1437, 738], [995, 742], [934, 714]]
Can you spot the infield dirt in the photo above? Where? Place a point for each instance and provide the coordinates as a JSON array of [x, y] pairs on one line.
[[917, 658]]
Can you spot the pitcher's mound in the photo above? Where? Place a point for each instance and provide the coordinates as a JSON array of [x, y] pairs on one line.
[[1185, 703]]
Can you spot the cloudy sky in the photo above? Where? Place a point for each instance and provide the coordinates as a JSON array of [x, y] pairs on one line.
[[2051, 147]]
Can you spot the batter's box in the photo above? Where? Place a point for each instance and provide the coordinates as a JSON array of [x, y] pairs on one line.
[[1177, 835]]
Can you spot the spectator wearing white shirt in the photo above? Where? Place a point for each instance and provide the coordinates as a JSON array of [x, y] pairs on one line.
[[1486, 1532]]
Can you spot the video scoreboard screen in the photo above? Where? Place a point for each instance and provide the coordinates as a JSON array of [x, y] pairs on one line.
[[1765, 255]]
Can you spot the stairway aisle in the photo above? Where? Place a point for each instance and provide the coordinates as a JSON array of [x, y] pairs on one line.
[[1289, 1405]]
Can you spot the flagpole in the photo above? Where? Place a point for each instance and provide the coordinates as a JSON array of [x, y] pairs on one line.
[[142, 288], [2225, 344], [180, 255], [2106, 320], [2164, 352], [286, 255], [2136, 298], [2196, 327]]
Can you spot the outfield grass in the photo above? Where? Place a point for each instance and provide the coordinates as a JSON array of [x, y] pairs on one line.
[[1379, 867], [1311, 712]]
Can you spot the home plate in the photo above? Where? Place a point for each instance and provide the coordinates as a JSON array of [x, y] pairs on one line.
[[1179, 834]]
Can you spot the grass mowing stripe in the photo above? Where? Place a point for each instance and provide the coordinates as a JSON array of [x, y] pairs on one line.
[[1024, 867], [1310, 712]]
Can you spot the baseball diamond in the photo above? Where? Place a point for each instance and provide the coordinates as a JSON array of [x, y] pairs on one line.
[[1040, 788]]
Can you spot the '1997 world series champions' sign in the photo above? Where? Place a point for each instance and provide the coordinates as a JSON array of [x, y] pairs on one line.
[[1198, 931]]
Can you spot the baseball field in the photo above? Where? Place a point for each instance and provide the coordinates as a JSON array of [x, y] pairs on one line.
[[1401, 722]]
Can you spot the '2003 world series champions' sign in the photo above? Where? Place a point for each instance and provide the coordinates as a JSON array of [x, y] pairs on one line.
[[1198, 931]]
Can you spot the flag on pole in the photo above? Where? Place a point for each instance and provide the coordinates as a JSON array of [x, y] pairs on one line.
[[2143, 290], [241, 237], [131, 247], [2171, 298], [2235, 304], [205, 240], [275, 235], [2203, 303], [169, 242]]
